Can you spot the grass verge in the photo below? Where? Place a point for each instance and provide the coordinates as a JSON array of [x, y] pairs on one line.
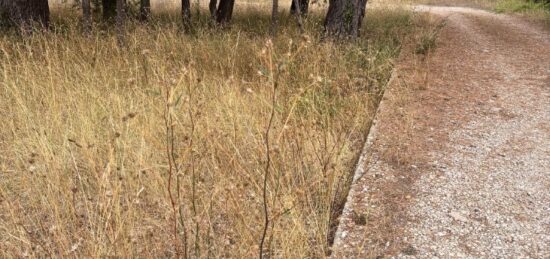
[[522, 6], [159, 148], [536, 10]]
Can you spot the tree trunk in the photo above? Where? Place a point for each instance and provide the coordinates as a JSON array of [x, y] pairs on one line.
[[298, 15], [225, 11], [144, 10], [344, 18], [109, 9], [86, 16], [274, 13], [120, 21], [186, 14], [212, 6], [25, 13], [303, 4]]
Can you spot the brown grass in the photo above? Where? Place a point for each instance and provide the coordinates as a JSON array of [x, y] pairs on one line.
[[97, 141]]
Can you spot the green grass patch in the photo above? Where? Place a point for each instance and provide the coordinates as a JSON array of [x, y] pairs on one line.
[[515, 6], [428, 40], [536, 10]]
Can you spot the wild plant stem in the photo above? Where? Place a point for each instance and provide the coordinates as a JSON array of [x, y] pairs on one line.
[[268, 155], [169, 154], [193, 173]]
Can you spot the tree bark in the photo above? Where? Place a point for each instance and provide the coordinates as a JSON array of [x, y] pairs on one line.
[[109, 9], [212, 6], [344, 18], [301, 5], [298, 15], [144, 10], [186, 14], [120, 21], [25, 13], [224, 11], [274, 14], [86, 16]]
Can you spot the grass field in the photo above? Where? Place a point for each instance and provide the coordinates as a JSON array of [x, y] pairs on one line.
[[103, 150]]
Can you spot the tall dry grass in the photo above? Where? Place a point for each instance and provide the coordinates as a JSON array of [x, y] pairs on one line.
[[103, 150]]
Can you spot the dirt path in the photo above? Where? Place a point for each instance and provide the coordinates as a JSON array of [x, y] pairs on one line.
[[458, 164]]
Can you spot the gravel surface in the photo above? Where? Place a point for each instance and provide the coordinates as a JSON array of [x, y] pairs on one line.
[[481, 184]]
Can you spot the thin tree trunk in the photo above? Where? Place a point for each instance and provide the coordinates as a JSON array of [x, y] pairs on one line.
[[186, 14], [358, 15], [298, 15], [109, 9], [144, 10], [224, 11], [274, 14], [26, 14], [86, 17], [212, 6], [120, 21], [299, 5]]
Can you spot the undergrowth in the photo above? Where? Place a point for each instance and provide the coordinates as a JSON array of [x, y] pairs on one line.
[[428, 41], [159, 148]]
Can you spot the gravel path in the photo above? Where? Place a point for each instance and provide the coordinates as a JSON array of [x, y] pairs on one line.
[[474, 181]]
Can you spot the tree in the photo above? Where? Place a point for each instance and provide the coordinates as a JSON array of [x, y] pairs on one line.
[[298, 14], [86, 16], [25, 13], [301, 5], [109, 9], [186, 14], [144, 10], [344, 18], [212, 6], [274, 14], [224, 11], [120, 21]]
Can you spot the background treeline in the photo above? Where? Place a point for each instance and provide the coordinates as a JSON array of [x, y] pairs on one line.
[[342, 20]]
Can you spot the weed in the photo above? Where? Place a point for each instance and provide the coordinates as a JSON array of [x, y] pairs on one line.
[[428, 41]]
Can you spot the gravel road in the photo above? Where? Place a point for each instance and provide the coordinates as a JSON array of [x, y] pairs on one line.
[[475, 181]]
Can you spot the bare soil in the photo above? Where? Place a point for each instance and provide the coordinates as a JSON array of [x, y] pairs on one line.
[[457, 164]]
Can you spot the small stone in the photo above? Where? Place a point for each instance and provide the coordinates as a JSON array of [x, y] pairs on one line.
[[409, 250], [359, 219], [344, 234], [458, 217]]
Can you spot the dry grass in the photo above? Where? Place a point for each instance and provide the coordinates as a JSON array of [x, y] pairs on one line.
[[91, 134]]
